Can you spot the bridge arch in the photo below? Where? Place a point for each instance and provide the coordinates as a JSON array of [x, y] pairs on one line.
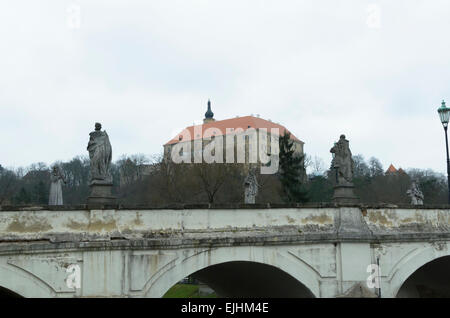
[[420, 261], [258, 257], [6, 293], [23, 284]]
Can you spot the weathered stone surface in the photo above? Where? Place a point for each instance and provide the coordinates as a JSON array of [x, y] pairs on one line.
[[141, 268], [101, 194], [343, 194], [244, 225]]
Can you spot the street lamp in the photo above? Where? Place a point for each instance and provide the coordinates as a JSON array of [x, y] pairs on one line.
[[444, 114]]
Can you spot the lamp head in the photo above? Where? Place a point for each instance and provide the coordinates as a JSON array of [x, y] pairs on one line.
[[444, 114]]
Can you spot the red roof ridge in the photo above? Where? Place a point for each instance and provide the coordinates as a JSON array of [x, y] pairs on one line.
[[244, 122]]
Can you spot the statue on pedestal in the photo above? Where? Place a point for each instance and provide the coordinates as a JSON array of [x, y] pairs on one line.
[[342, 161], [251, 187], [56, 178], [100, 153], [343, 164], [415, 194]]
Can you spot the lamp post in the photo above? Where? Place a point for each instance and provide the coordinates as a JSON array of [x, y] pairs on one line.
[[444, 114]]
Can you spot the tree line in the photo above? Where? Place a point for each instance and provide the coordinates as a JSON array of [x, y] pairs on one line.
[[141, 180]]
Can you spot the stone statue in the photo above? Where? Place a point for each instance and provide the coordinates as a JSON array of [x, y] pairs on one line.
[[415, 194], [56, 178], [342, 161], [100, 153], [251, 187]]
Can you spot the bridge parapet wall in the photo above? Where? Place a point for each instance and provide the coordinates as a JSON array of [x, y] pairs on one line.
[[211, 225]]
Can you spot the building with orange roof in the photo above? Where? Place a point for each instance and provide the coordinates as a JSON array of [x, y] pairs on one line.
[[248, 127], [391, 169]]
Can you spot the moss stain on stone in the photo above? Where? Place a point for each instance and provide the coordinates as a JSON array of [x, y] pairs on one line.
[[290, 220], [34, 225], [98, 226], [379, 217], [74, 225], [318, 219], [138, 221], [443, 219], [419, 218]]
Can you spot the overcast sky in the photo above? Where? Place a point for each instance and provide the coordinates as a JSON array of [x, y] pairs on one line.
[[375, 71]]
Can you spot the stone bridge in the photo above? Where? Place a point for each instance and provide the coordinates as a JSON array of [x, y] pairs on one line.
[[257, 250]]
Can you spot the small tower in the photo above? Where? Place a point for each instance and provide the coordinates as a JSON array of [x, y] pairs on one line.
[[209, 114]]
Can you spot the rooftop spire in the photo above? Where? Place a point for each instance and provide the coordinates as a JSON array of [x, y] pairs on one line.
[[209, 114]]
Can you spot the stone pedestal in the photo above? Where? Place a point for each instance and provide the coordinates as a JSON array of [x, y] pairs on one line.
[[344, 194], [101, 194]]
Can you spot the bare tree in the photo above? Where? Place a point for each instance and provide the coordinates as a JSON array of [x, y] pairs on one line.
[[375, 167], [213, 176], [317, 166]]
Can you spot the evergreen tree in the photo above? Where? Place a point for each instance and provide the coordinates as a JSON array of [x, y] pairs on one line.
[[320, 189], [40, 193], [23, 197], [291, 171]]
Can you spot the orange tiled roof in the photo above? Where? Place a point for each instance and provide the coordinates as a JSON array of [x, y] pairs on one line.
[[391, 169], [218, 128]]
